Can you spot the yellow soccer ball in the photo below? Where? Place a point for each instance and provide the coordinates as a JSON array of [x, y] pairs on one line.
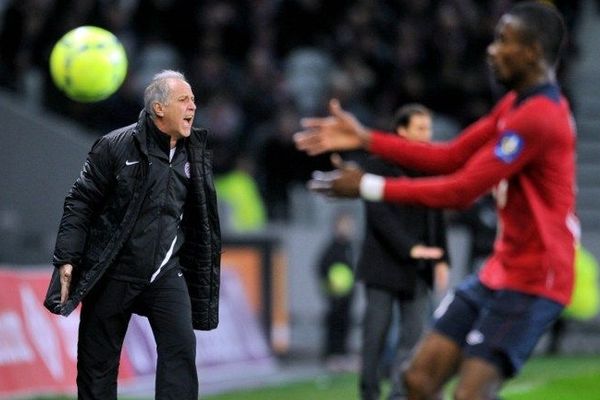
[[340, 279], [88, 64]]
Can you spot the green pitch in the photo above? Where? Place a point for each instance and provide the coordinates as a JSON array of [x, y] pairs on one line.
[[558, 378], [547, 378]]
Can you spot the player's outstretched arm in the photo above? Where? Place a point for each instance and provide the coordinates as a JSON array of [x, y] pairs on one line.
[[344, 181], [337, 132]]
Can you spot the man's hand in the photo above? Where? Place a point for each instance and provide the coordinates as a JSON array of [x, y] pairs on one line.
[[344, 181], [340, 131], [441, 277], [65, 272], [423, 252]]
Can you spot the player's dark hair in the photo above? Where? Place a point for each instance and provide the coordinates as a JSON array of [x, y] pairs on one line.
[[404, 114], [542, 22]]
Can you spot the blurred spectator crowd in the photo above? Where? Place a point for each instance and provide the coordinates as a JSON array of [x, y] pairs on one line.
[[258, 66]]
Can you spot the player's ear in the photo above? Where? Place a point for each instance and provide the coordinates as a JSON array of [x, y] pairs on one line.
[[535, 52], [401, 131]]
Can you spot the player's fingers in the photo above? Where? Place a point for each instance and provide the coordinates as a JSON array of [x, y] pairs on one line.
[[328, 176], [300, 138], [319, 186], [315, 123], [304, 139], [309, 142], [337, 161], [335, 108]]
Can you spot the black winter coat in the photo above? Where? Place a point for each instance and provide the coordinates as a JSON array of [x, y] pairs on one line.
[[103, 206], [391, 231]]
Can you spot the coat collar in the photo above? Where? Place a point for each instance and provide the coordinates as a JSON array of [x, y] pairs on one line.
[[141, 131]]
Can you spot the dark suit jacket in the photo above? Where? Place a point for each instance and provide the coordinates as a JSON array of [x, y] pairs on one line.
[[392, 229]]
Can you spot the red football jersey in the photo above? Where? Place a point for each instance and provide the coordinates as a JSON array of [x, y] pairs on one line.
[[524, 150]]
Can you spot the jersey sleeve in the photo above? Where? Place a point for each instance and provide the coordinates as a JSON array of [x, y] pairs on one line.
[[516, 144], [433, 158]]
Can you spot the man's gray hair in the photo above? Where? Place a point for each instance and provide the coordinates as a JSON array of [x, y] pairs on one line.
[[158, 90]]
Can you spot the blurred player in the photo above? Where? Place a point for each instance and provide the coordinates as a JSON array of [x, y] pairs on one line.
[[525, 149]]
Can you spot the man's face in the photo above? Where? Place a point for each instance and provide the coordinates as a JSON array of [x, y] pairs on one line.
[[175, 118], [509, 58], [418, 129]]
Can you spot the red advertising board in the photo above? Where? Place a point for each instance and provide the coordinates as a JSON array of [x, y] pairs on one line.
[[35, 346], [38, 349]]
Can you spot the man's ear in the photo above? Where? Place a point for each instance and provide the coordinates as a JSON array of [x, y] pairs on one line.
[[535, 52], [158, 109]]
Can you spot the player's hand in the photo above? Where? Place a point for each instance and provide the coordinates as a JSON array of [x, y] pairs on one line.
[[66, 273], [340, 131], [344, 181]]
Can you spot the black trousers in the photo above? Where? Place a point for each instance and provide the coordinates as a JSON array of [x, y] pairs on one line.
[[414, 314], [105, 315], [337, 325]]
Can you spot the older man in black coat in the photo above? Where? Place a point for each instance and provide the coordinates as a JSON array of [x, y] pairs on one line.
[[140, 234]]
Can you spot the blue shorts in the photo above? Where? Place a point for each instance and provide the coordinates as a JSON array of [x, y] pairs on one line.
[[500, 326]]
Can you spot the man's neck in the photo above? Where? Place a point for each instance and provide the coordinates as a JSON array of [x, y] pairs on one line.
[[164, 140], [535, 81], [173, 138]]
